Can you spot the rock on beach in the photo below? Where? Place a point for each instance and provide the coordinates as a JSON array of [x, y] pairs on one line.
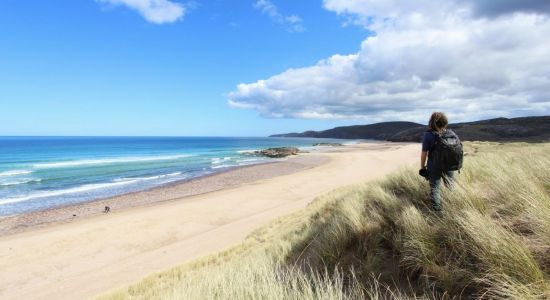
[[278, 152]]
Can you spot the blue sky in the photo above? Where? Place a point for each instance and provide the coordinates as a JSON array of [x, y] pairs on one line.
[[88, 68], [256, 67]]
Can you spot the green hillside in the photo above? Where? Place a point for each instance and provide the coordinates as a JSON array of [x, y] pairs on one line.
[[495, 130]]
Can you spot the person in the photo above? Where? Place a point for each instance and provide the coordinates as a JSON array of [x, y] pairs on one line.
[[437, 129]]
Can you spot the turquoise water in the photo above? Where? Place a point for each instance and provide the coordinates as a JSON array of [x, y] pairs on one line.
[[43, 172]]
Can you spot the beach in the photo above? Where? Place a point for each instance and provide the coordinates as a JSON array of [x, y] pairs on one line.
[[53, 254], [169, 192]]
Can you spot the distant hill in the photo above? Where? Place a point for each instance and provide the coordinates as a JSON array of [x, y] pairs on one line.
[[500, 129], [378, 131]]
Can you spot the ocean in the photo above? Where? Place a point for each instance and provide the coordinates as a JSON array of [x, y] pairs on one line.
[[43, 172]]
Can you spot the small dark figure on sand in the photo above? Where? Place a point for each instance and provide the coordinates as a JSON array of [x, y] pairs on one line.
[[107, 209]]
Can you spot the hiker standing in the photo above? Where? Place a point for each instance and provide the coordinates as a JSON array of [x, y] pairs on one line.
[[443, 150]]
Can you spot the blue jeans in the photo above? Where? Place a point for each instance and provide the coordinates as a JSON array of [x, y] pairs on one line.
[[435, 187]]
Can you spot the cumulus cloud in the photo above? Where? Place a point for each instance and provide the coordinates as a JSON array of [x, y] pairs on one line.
[[293, 23], [154, 11], [470, 61]]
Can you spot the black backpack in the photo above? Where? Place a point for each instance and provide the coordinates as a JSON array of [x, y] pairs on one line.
[[447, 152]]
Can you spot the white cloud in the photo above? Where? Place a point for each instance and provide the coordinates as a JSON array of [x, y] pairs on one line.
[[154, 11], [470, 60], [293, 23]]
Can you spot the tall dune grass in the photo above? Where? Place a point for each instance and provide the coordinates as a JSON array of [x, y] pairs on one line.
[[380, 241]]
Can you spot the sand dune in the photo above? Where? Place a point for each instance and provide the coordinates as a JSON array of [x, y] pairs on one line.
[[90, 256]]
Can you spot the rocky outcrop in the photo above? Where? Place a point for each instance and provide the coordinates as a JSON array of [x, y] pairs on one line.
[[278, 152]]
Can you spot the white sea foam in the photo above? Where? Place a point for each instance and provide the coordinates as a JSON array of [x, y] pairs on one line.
[[83, 188], [73, 163], [249, 163], [247, 151], [223, 166], [251, 160], [239, 162], [219, 160], [14, 173], [21, 181], [148, 178], [78, 189]]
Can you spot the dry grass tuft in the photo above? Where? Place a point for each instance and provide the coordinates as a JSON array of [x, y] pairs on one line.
[[381, 241]]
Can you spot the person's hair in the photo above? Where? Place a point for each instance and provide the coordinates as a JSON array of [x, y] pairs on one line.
[[438, 121]]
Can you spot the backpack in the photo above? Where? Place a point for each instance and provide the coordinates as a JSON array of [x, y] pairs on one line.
[[447, 152]]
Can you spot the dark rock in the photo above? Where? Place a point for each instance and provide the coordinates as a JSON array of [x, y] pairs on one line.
[[278, 152]]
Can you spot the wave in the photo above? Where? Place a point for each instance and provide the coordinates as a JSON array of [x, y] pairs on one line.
[[84, 188], [14, 173], [239, 162], [22, 181], [105, 161], [223, 166], [219, 160], [251, 160], [148, 178], [247, 151], [78, 189]]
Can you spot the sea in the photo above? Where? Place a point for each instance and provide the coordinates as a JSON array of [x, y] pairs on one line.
[[38, 173]]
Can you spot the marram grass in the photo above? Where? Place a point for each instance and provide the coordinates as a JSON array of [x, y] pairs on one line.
[[380, 241]]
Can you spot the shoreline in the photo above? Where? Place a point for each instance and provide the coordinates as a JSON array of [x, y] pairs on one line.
[[89, 256], [172, 191]]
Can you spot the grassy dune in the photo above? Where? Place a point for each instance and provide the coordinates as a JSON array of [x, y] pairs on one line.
[[380, 240]]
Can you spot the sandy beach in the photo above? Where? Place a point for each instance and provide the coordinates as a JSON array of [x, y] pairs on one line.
[[55, 255], [169, 192]]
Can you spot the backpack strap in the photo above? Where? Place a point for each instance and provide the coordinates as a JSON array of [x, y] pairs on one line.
[[437, 137]]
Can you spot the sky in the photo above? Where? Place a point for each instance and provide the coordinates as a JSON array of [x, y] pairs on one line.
[[258, 67]]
